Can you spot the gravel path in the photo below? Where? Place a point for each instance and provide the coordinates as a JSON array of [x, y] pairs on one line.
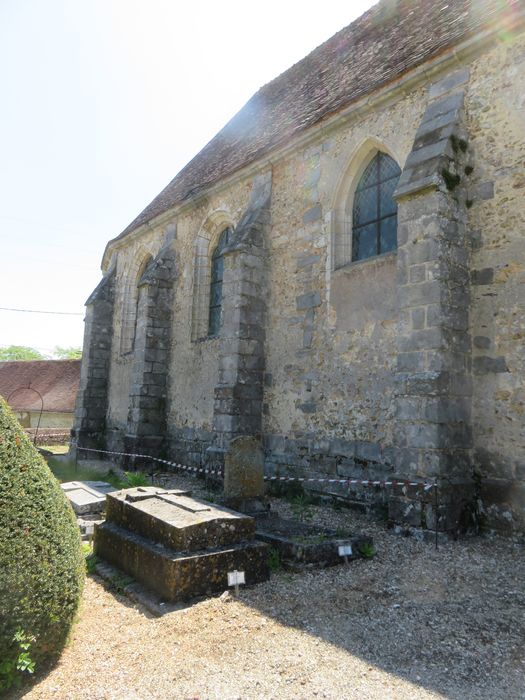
[[411, 623]]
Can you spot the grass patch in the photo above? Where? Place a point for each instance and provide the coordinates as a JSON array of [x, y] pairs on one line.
[[65, 470], [118, 583], [274, 559], [134, 479], [90, 557], [367, 550], [302, 506], [55, 449]]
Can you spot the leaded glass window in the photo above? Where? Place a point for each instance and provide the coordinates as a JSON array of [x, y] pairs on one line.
[[217, 273], [374, 213]]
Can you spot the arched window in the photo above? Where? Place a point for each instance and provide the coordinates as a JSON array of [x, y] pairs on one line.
[[130, 301], [217, 273], [209, 245], [374, 211]]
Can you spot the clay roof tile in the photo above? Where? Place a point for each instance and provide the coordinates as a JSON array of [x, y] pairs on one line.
[[390, 39], [56, 381]]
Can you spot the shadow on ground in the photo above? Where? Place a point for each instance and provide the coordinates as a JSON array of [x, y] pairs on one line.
[[448, 621]]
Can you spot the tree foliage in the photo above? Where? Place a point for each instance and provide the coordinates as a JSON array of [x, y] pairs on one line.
[[23, 352], [67, 353], [19, 352], [41, 562]]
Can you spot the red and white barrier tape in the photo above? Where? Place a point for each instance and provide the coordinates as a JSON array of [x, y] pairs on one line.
[[216, 472], [44, 435], [383, 483]]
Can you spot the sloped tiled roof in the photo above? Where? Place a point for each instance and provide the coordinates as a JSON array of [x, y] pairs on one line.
[[56, 380], [391, 38]]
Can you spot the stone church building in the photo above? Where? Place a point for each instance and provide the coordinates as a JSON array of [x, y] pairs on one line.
[[341, 273]]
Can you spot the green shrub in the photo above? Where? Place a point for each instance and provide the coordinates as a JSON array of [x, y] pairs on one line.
[[13, 668], [134, 479], [41, 563], [367, 550]]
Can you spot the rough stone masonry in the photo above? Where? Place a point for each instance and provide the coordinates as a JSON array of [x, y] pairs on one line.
[[408, 362]]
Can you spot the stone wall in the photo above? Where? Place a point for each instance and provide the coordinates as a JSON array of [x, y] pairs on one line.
[[194, 364], [330, 350], [496, 123], [129, 263], [48, 419], [239, 390], [336, 345], [91, 426], [148, 394]]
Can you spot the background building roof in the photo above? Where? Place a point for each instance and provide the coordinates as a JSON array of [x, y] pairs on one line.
[[391, 38], [56, 380]]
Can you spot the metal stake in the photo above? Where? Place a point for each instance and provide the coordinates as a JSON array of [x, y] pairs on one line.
[[436, 509]]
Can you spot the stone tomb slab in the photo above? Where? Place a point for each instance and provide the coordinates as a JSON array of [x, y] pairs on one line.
[[179, 576], [87, 496], [177, 521], [179, 547], [302, 543]]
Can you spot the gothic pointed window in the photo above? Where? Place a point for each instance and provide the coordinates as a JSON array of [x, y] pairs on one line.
[[217, 274], [130, 302], [374, 212]]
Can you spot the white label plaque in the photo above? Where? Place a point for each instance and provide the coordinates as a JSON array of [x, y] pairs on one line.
[[345, 550], [235, 578]]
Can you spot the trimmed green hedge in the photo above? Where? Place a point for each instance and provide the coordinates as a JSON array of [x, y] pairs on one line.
[[41, 563]]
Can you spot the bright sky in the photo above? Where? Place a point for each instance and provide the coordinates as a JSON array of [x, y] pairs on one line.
[[103, 102]]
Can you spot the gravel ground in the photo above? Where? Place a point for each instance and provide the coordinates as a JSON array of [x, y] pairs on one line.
[[411, 623]]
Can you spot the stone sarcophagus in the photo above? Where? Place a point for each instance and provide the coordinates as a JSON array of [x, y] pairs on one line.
[[178, 546]]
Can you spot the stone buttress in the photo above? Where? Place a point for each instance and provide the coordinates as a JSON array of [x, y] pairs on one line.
[[434, 385], [239, 392], [146, 424], [92, 400]]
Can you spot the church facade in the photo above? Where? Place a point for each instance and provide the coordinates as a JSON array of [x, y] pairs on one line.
[[340, 272]]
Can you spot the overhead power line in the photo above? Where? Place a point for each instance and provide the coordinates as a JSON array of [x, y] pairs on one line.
[[33, 311]]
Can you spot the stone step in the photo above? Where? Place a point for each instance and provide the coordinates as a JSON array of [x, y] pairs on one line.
[[179, 576], [177, 521]]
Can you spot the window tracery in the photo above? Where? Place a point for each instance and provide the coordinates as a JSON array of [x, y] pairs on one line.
[[374, 210]]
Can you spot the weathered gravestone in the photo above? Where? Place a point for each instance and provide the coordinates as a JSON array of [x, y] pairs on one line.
[[180, 547], [244, 475], [87, 497]]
